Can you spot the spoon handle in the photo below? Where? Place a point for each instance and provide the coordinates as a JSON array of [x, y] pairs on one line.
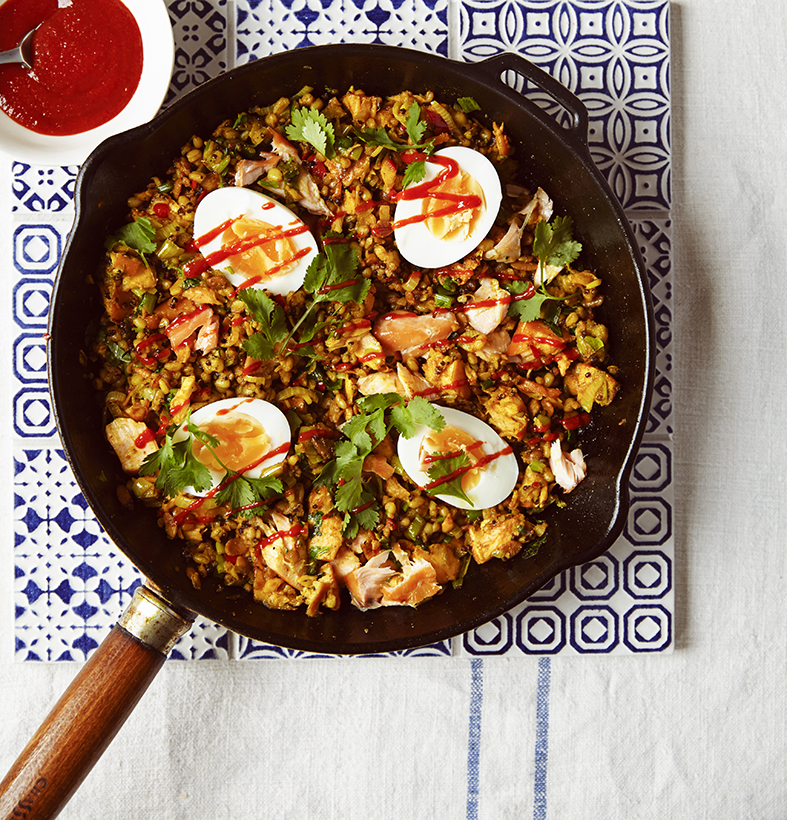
[[13, 55]]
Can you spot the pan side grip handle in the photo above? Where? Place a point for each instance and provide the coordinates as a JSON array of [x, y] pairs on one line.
[[89, 714], [510, 61]]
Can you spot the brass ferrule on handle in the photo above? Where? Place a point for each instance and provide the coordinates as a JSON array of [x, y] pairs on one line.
[[151, 620]]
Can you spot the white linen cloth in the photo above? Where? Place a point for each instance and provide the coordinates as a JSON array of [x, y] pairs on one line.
[[700, 733]]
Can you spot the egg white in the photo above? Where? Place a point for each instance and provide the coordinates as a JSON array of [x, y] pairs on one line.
[[417, 244], [267, 414], [228, 203], [497, 479]]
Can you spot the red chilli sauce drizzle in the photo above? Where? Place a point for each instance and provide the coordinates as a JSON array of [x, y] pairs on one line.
[[150, 361], [425, 190], [240, 245], [460, 471], [294, 532], [280, 450]]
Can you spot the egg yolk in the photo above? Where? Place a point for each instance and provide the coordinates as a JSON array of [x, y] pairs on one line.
[[242, 442], [450, 208], [266, 251], [451, 442]]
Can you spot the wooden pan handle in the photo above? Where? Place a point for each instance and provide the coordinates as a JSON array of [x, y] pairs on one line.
[[91, 711]]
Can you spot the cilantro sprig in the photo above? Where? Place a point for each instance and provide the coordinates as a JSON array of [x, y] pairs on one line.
[[139, 235], [554, 247], [308, 125], [179, 469], [553, 243], [270, 317], [447, 466], [415, 127], [176, 465], [331, 277], [363, 432]]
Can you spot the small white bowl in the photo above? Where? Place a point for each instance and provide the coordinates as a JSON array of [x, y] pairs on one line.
[[158, 49]]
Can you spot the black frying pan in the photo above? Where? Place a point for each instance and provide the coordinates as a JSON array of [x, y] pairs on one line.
[[553, 156]]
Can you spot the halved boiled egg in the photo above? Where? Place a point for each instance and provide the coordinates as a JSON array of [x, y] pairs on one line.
[[253, 239], [446, 216], [489, 474], [253, 438]]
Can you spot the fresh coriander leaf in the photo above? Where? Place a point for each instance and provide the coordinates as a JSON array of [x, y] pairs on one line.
[[336, 279], [529, 310], [270, 317], [308, 125], [348, 494], [263, 309], [408, 417], [518, 286], [355, 430], [468, 104], [329, 475], [177, 467], [117, 355], [414, 124], [414, 173], [139, 235], [367, 517], [266, 486], [377, 426], [552, 243], [350, 526], [444, 467], [415, 127], [242, 491], [157, 460], [378, 401], [365, 513], [236, 492], [259, 347], [378, 136]]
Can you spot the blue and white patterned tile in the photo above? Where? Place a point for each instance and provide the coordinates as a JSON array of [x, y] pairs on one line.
[[614, 56], [268, 26], [248, 650], [204, 641], [70, 581], [43, 189], [202, 44]]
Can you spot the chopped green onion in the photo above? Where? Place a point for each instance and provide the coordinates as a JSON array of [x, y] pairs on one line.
[[168, 249], [443, 300], [462, 572], [148, 303], [416, 525]]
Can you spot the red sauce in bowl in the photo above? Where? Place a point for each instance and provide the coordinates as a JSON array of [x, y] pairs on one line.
[[87, 62]]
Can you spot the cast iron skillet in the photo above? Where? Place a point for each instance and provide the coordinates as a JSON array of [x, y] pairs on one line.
[[553, 156]]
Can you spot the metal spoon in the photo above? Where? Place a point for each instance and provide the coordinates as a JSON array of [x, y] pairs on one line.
[[23, 53]]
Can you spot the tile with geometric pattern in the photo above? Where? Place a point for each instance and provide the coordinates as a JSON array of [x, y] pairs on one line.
[[71, 583]]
